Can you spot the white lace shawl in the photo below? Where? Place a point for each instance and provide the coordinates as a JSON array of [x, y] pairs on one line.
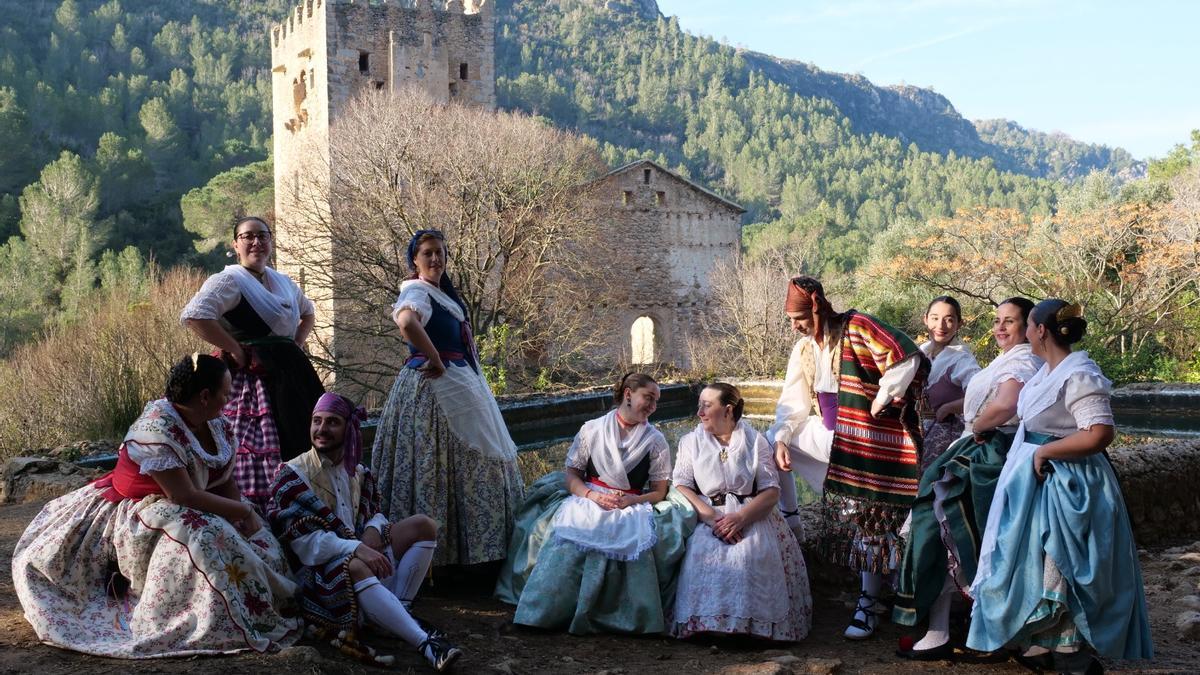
[[159, 440], [418, 294], [745, 469], [1018, 363], [600, 441], [1045, 389], [279, 303], [956, 360]]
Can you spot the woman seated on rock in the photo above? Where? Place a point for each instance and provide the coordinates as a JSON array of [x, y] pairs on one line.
[[594, 549], [951, 507], [1058, 570], [161, 557], [743, 572]]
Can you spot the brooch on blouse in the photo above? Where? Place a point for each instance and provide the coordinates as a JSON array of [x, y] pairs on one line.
[[724, 455]]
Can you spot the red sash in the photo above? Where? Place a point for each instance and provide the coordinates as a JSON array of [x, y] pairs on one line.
[[601, 483], [127, 481]]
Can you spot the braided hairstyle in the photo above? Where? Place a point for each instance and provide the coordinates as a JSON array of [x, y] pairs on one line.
[[1064, 326], [731, 396], [192, 375]]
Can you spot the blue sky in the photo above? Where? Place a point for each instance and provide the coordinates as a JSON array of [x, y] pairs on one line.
[[1119, 73]]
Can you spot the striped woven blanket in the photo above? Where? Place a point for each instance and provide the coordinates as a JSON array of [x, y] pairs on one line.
[[874, 459]]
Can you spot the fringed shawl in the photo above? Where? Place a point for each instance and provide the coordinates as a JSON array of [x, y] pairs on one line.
[[873, 465]]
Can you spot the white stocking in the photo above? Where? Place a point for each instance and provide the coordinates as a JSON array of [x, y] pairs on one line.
[[939, 620], [384, 609], [411, 570], [871, 583]]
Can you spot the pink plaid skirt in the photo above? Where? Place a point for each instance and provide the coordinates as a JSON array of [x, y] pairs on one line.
[[257, 460]]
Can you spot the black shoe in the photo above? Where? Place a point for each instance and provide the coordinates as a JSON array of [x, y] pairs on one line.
[[432, 631], [1038, 664], [439, 653], [942, 652]]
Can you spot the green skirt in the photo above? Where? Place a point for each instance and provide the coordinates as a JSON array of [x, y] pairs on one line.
[[965, 476], [556, 585]]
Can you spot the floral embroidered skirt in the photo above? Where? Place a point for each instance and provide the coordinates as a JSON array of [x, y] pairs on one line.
[[150, 579], [423, 468], [758, 586]]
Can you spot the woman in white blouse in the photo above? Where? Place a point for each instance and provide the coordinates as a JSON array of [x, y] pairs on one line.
[[1058, 570], [743, 572], [161, 557], [952, 366], [441, 448], [259, 319], [597, 546]]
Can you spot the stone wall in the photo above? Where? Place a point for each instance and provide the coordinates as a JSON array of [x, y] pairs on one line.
[[1159, 480]]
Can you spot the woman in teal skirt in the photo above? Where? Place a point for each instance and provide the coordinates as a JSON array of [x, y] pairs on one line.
[[1058, 573], [951, 508], [597, 547]]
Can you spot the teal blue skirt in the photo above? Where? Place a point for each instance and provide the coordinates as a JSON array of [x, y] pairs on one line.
[[1076, 520], [556, 585]]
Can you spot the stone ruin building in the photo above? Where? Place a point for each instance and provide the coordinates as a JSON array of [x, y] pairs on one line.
[[669, 233], [326, 51]]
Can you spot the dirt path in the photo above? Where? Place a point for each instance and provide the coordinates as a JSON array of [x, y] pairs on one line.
[[482, 626]]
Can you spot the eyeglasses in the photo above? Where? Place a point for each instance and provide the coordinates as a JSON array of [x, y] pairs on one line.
[[254, 236]]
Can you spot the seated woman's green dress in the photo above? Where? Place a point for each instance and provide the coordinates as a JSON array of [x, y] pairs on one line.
[[573, 565]]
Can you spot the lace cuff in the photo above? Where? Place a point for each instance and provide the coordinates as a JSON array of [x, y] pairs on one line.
[[660, 461], [577, 455], [218, 295]]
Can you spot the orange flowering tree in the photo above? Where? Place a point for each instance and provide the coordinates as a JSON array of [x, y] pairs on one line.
[[1134, 267]]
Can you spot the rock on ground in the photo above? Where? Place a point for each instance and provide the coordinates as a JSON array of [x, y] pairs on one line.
[[28, 479]]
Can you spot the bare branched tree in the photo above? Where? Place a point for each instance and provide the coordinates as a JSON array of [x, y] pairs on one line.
[[747, 332], [511, 194]]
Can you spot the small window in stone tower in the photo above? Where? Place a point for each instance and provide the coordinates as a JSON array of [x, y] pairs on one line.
[[627, 197], [364, 62], [646, 176], [660, 198], [462, 71]]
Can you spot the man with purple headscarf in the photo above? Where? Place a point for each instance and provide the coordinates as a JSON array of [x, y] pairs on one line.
[[353, 564]]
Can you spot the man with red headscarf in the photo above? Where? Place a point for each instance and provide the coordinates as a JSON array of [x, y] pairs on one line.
[[325, 509], [847, 423]]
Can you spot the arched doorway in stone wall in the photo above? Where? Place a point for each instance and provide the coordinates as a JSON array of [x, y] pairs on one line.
[[643, 341]]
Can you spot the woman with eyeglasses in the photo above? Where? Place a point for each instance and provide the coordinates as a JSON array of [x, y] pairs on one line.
[[259, 319], [743, 572]]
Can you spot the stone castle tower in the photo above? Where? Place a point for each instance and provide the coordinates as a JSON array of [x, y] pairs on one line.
[[322, 55]]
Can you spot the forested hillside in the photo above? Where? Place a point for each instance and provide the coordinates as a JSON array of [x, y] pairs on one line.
[[111, 110]]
